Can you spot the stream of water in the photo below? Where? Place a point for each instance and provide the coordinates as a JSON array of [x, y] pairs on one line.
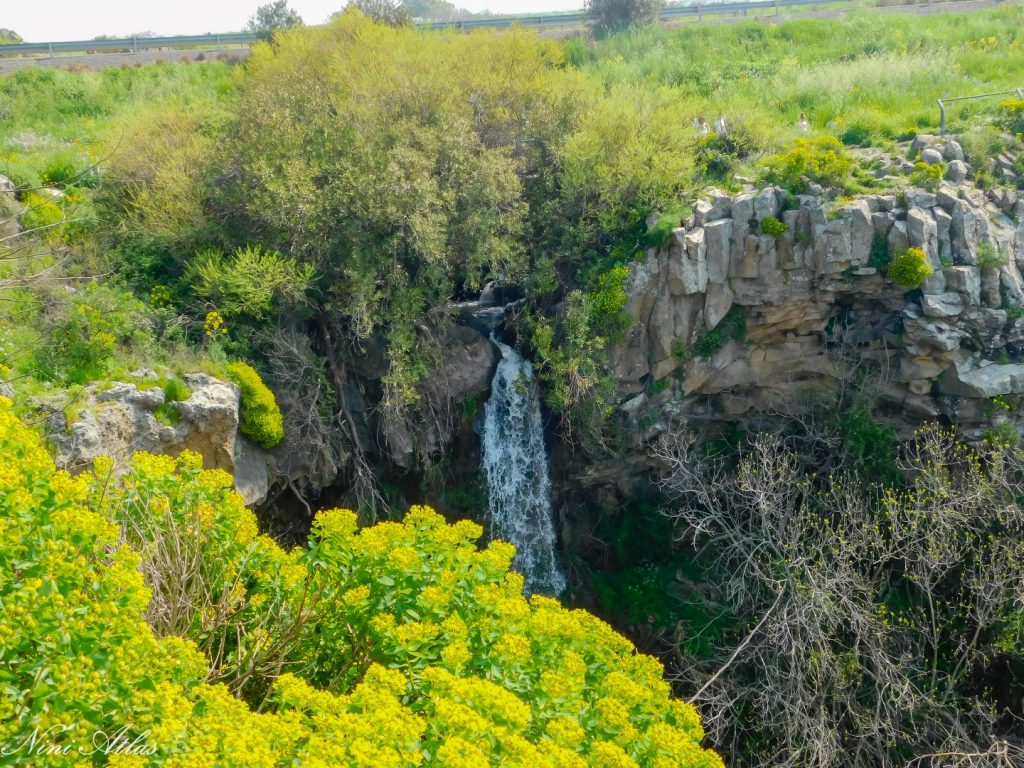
[[515, 463]]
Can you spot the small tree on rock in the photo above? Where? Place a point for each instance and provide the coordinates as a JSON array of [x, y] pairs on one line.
[[271, 17], [612, 15]]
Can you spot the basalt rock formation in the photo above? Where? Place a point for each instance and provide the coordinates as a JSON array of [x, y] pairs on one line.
[[816, 302]]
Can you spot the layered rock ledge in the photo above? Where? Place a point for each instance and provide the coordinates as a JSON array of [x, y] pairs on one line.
[[817, 303]]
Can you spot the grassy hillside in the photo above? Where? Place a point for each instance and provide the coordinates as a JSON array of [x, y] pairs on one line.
[[867, 76]]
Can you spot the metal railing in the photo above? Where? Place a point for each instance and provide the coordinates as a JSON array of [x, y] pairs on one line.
[[579, 18], [944, 102], [130, 44], [697, 10]]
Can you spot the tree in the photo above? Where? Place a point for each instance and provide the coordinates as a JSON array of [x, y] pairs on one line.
[[434, 10], [872, 626], [271, 17], [390, 12], [612, 15]]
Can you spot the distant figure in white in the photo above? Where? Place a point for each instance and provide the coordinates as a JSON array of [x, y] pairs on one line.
[[702, 127], [720, 127], [804, 125]]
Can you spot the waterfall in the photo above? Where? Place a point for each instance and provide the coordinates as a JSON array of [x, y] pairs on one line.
[[516, 467]]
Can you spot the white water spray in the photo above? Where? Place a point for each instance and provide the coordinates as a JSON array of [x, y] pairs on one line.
[[516, 467]]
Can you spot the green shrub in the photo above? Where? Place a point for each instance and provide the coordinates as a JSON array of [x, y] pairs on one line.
[[990, 257], [176, 390], [928, 176], [1011, 115], [612, 15], [82, 335], [879, 256], [823, 160], [773, 226], [910, 268], [607, 302], [261, 419], [732, 327], [858, 135], [41, 212], [252, 281], [681, 349], [65, 170], [660, 233]]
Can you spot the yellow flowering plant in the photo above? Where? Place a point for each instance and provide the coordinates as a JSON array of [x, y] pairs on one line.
[[151, 603]]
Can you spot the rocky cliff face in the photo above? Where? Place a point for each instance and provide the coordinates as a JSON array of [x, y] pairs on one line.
[[816, 302], [122, 418]]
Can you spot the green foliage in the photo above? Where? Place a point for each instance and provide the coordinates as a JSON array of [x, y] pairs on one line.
[[62, 170], [153, 186], [773, 226], [1011, 115], [398, 186], [879, 256], [391, 12], [660, 233], [732, 327], [176, 390], [607, 305], [858, 135], [83, 335], [869, 446], [261, 419], [990, 256], [404, 644], [272, 17], [42, 213], [608, 16], [910, 268], [928, 176], [253, 281], [570, 359], [823, 160], [681, 349]]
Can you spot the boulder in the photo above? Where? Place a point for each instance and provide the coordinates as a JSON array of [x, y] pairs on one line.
[[983, 381], [956, 171], [967, 282], [931, 156], [121, 419], [717, 236], [952, 151], [717, 303]]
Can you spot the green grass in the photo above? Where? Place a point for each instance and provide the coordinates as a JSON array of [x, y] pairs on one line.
[[869, 76], [55, 117]]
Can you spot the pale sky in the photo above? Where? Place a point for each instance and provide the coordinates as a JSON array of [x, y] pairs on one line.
[[51, 20]]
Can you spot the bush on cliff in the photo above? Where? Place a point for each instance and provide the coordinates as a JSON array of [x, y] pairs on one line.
[[910, 268], [822, 160], [403, 644], [261, 419]]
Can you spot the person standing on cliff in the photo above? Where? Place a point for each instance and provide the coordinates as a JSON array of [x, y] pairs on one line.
[[802, 122], [702, 127]]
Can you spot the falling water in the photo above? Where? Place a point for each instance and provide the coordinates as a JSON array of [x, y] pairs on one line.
[[516, 467]]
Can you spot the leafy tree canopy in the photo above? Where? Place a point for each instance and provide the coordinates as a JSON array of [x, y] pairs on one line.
[[273, 16]]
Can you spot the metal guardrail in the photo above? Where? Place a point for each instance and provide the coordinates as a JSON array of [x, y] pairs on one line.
[[944, 102], [579, 18], [133, 44], [552, 20]]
